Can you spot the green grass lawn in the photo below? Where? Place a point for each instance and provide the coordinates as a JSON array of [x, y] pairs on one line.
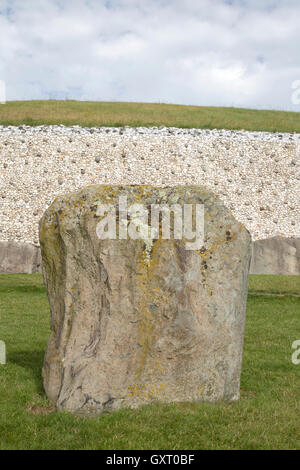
[[268, 283], [266, 417], [91, 114]]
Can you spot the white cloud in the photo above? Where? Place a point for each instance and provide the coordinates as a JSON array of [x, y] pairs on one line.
[[220, 53]]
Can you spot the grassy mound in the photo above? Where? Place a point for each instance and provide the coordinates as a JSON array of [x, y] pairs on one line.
[[91, 114]]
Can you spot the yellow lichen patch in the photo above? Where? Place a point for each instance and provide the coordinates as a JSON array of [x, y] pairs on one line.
[[209, 251], [54, 359], [214, 245], [148, 295], [145, 391]]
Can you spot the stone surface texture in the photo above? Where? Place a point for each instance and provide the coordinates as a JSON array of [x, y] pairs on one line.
[[129, 327]]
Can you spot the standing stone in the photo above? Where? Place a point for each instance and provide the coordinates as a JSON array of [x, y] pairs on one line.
[[2, 353], [134, 322]]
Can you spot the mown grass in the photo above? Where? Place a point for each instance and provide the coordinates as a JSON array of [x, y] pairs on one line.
[[91, 114], [266, 417], [274, 284]]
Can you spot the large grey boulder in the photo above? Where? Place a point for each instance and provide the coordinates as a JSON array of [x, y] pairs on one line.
[[16, 257], [276, 255], [134, 321]]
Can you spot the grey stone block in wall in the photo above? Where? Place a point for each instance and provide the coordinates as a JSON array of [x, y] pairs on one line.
[[277, 255], [18, 257]]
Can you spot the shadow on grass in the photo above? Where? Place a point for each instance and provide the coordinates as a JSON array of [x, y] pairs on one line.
[[32, 361], [7, 289]]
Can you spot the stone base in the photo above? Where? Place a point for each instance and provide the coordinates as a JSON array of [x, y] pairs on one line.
[[276, 255], [18, 257]]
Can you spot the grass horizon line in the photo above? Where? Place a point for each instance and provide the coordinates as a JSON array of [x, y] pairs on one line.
[[139, 114]]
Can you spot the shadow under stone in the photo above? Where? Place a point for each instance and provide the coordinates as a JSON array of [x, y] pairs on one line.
[[32, 361]]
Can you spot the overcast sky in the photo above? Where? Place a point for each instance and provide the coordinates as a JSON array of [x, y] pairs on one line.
[[201, 52]]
